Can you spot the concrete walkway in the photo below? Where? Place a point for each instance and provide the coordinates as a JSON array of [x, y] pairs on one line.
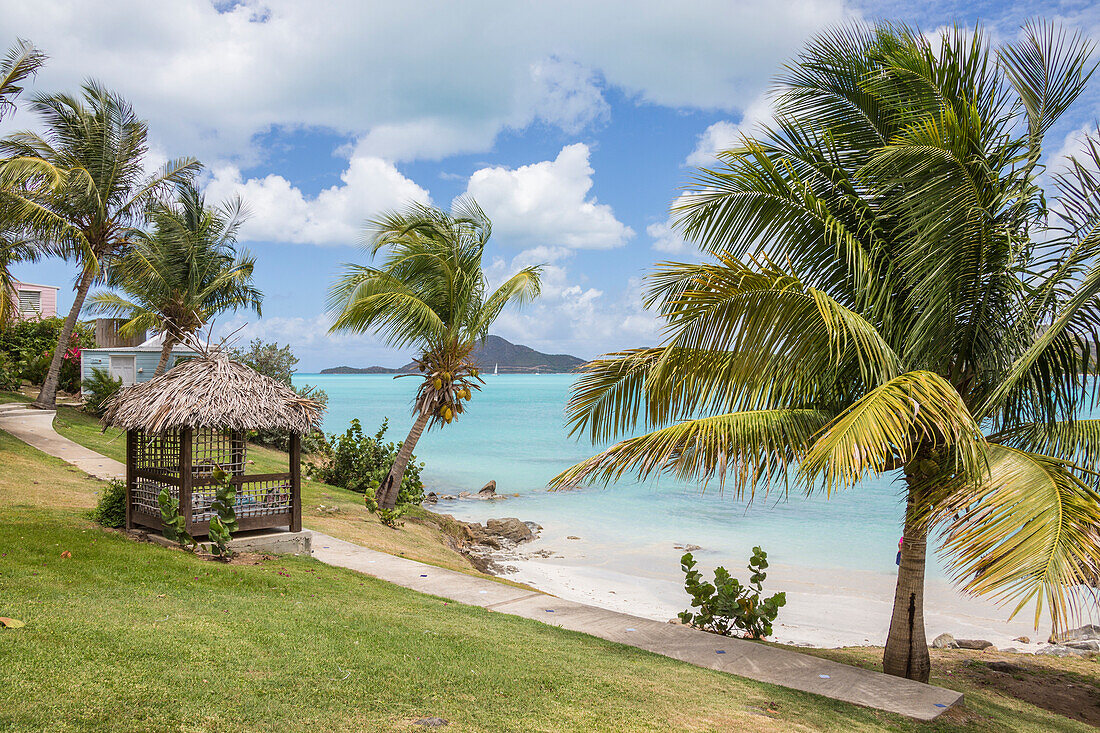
[[743, 658], [35, 428]]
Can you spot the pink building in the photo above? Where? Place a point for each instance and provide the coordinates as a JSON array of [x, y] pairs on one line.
[[35, 301]]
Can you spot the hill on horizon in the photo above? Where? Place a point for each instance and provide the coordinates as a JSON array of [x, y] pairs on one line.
[[493, 353]]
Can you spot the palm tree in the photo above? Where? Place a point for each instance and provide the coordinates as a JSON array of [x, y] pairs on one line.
[[21, 62], [885, 280], [429, 293], [182, 274], [85, 189]]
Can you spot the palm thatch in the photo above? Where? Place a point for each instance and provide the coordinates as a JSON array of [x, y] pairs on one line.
[[211, 392]]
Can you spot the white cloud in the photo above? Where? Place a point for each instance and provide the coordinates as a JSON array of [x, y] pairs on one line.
[[209, 80], [723, 135], [567, 95], [279, 212], [574, 317], [548, 204], [1075, 144], [666, 238]]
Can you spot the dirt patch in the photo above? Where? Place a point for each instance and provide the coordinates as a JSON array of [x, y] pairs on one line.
[[1064, 693]]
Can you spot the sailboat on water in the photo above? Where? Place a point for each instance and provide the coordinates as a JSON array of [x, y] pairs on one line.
[[496, 368]]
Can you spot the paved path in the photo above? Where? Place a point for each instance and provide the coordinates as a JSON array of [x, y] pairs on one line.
[[736, 656], [35, 427]]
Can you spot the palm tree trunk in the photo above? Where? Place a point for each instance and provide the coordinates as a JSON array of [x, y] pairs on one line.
[[47, 397], [165, 352], [906, 652], [386, 496]]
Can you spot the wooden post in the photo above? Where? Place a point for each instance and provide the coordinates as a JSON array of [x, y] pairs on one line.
[[186, 478], [295, 482], [131, 438], [237, 440]]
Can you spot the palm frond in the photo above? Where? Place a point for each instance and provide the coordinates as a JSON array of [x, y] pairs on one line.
[[889, 426], [1026, 531], [756, 447]]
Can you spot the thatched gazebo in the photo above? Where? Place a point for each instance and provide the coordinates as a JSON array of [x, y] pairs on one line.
[[194, 418]]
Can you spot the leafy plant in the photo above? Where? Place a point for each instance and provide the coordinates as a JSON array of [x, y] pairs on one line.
[[360, 463], [9, 373], [388, 517], [175, 529], [726, 605], [99, 387], [110, 509], [28, 346], [224, 521]]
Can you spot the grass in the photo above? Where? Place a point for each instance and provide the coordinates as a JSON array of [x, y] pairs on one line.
[[128, 636]]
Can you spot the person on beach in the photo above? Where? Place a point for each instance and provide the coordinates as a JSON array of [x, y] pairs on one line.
[[897, 561]]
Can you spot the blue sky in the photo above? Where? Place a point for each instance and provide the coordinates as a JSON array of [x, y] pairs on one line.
[[574, 124]]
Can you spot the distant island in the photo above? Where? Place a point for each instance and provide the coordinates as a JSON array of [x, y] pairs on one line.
[[495, 353]]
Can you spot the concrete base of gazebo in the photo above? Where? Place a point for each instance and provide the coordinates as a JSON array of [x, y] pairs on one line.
[[271, 541]]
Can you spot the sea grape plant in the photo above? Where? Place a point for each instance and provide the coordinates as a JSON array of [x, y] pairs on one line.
[[175, 529], [726, 605], [224, 521]]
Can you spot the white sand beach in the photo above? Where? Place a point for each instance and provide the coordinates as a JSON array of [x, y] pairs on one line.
[[825, 607]]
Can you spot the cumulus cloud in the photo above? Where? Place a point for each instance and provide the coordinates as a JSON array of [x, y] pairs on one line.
[[723, 135], [548, 204], [573, 316], [666, 238], [280, 212], [210, 76]]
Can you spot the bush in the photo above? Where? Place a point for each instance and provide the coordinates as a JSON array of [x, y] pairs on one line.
[[100, 386], [360, 463], [110, 510], [30, 345], [10, 380], [727, 605]]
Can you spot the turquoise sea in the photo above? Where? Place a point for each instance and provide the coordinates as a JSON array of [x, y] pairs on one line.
[[514, 433]]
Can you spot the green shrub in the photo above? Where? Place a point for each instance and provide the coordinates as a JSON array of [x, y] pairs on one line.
[[99, 387], [358, 462], [30, 344], [224, 521], [110, 509], [174, 526], [726, 605], [9, 373]]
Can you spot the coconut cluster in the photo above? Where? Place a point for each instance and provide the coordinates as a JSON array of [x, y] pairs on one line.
[[443, 391]]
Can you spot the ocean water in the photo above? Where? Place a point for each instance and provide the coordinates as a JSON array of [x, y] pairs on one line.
[[514, 433]]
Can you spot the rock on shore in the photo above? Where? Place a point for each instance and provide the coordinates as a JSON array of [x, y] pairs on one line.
[[479, 541]]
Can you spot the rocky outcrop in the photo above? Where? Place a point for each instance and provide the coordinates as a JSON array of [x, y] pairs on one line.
[[478, 542], [1058, 650], [489, 490], [1084, 633], [945, 641], [977, 644]]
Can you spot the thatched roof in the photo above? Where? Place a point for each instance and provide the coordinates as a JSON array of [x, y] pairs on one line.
[[211, 392]]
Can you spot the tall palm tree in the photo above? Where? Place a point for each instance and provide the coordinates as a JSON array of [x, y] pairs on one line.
[[86, 188], [21, 62], [886, 281], [184, 273], [429, 293]]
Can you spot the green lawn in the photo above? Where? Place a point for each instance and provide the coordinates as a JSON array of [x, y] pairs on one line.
[[128, 636]]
